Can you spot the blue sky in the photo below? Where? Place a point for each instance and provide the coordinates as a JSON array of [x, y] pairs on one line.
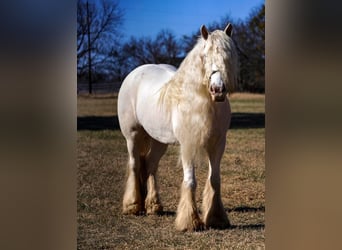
[[148, 17]]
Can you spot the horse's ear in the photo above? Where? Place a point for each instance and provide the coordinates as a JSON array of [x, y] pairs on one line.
[[204, 32], [229, 30]]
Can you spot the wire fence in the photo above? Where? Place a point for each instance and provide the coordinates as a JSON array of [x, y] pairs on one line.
[[99, 88]]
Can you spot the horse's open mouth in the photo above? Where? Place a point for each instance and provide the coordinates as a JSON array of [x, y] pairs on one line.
[[218, 97], [218, 94]]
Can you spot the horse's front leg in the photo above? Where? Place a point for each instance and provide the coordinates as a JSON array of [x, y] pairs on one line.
[[187, 214], [214, 215]]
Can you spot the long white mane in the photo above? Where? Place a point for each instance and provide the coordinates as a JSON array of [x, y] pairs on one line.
[[194, 71], [188, 89]]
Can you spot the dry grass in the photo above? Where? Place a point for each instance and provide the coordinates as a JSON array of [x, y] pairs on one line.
[[247, 102], [101, 176], [100, 105]]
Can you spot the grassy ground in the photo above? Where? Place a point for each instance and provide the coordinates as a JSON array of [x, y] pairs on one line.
[[101, 177]]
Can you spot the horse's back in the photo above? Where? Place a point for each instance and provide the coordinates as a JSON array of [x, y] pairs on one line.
[[138, 100], [154, 75], [167, 67]]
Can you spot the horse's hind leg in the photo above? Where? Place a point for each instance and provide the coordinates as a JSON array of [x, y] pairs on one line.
[[152, 202], [133, 197]]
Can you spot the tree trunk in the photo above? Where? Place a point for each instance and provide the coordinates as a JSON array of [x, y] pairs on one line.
[[89, 52]]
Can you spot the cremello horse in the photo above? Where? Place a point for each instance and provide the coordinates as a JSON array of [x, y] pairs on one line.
[[159, 105]]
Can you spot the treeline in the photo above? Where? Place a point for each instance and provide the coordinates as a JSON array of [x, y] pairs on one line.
[[103, 57]]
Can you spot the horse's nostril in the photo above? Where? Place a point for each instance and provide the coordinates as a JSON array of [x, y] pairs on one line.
[[217, 89]]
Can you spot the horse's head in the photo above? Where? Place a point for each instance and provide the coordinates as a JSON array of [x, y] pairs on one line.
[[220, 62]]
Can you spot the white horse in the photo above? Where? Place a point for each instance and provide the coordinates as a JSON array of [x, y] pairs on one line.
[[159, 105]]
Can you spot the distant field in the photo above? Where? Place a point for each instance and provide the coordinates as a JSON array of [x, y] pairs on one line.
[[101, 177]]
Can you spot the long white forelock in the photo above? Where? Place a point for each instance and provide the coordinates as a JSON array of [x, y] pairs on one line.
[[229, 56], [214, 67]]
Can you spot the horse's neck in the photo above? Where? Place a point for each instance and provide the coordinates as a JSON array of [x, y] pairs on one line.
[[187, 83], [194, 106], [186, 94], [191, 72]]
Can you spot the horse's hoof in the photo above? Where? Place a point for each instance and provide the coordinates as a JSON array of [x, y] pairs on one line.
[[154, 209], [196, 225], [217, 222], [223, 224], [134, 209]]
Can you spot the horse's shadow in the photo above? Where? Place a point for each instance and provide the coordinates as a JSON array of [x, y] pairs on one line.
[[248, 227], [98, 123], [247, 120], [242, 209], [238, 121], [246, 209], [167, 213]]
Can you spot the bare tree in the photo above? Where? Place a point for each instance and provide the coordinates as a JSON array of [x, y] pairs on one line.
[[98, 25], [189, 41], [164, 48], [250, 37]]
